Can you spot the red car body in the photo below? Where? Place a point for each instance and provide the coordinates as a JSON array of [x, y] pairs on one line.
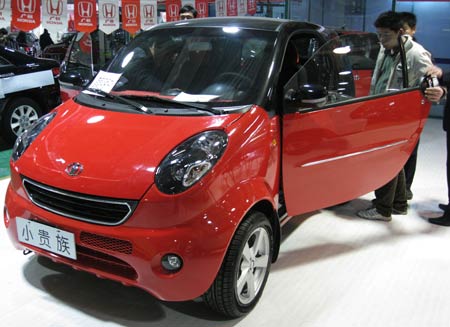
[[275, 164]]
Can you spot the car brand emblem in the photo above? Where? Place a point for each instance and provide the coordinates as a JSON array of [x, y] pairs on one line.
[[74, 169], [148, 11], [55, 7], [26, 7], [131, 11], [85, 9], [109, 10]]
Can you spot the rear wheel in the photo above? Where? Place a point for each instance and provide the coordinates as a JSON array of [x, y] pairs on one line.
[[243, 275], [18, 115]]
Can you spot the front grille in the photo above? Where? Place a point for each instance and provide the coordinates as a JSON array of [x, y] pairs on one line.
[[99, 210], [108, 243]]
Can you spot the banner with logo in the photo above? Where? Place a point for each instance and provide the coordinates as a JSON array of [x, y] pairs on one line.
[[5, 13], [202, 8], [221, 8], [242, 7], [173, 10], [108, 15], [54, 15], [131, 17], [232, 9], [85, 15], [149, 13], [26, 14], [251, 7]]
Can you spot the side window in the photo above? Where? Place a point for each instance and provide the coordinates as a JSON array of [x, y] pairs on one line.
[[338, 71], [298, 51]]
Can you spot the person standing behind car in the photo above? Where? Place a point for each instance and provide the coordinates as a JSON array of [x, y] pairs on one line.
[[188, 12], [435, 94], [45, 40], [391, 198], [409, 22], [21, 41]]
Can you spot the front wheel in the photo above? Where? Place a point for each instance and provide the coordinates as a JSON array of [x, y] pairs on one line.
[[243, 275], [18, 115]]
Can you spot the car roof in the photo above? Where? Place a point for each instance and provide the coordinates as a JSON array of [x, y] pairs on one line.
[[260, 23], [19, 58]]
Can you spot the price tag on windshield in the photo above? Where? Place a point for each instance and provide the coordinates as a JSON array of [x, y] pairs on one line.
[[104, 81]]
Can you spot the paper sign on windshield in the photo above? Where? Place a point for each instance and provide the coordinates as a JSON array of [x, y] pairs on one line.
[[104, 81]]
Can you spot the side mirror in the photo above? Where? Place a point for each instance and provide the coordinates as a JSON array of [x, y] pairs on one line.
[[307, 96], [72, 77]]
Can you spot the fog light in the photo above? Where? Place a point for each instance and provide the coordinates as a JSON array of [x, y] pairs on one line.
[[171, 262]]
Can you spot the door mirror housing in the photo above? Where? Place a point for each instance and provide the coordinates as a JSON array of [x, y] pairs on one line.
[[307, 96], [72, 77]]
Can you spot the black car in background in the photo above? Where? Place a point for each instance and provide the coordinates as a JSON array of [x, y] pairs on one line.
[[29, 88]]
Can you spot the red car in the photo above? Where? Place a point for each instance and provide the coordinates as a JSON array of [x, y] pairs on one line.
[[174, 170]]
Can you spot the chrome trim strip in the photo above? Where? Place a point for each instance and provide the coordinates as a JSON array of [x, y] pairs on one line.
[[85, 198], [313, 163]]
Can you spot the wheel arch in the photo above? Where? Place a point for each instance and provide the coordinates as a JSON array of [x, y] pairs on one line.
[[29, 94]]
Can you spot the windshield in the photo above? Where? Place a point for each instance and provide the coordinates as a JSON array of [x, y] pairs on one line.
[[221, 66]]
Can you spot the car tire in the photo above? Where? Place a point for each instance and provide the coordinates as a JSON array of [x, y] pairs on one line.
[[18, 115], [245, 269]]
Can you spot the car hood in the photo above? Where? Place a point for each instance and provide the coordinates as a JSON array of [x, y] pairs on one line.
[[119, 152]]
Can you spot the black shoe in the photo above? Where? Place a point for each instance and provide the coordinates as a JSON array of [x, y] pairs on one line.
[[442, 221], [409, 194], [443, 206]]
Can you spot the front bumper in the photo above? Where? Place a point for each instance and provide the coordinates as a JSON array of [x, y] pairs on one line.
[[131, 253]]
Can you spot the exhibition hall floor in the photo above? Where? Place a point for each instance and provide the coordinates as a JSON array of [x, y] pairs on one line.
[[334, 270]]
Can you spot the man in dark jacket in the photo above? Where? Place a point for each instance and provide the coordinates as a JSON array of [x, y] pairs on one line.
[[436, 94], [45, 40]]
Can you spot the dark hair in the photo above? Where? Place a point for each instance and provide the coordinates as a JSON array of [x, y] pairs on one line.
[[188, 8], [408, 18], [3, 31], [389, 19]]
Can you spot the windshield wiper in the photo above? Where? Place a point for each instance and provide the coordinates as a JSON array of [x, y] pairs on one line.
[[185, 104], [132, 103]]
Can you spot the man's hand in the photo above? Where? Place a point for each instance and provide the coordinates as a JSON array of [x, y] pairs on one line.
[[434, 71], [434, 94]]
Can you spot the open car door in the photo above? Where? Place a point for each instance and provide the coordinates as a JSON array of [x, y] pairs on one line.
[[337, 147]]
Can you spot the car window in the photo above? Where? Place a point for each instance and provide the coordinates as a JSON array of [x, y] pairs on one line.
[[327, 77], [365, 47], [215, 65]]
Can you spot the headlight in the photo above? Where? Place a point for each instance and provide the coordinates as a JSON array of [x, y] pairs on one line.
[[190, 161], [24, 140]]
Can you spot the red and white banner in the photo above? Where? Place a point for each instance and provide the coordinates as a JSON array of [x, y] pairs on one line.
[[131, 17], [108, 16], [26, 14], [221, 8], [173, 10], [149, 13], [242, 7], [5, 13], [202, 8], [54, 15], [232, 9], [85, 15], [251, 7]]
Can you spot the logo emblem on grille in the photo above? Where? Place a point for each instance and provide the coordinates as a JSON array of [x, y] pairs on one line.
[[74, 169]]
